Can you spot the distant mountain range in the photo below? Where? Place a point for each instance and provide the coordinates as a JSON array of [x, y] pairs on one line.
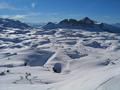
[[36, 25], [10, 23], [70, 23], [85, 24], [117, 24]]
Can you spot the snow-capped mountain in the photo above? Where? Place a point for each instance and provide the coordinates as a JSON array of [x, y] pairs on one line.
[[85, 24], [10, 23]]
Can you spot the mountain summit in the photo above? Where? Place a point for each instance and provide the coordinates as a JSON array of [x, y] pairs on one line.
[[86, 21]]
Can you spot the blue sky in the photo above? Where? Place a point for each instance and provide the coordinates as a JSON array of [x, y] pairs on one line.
[[36, 11]]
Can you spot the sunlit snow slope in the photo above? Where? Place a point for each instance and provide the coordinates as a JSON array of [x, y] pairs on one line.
[[59, 59]]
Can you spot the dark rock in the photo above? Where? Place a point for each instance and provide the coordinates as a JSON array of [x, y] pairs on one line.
[[2, 73], [86, 21], [57, 68]]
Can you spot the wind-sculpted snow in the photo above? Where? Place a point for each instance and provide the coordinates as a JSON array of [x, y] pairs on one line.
[[59, 59]]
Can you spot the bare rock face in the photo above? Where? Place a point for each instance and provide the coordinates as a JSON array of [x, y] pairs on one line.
[[86, 21]]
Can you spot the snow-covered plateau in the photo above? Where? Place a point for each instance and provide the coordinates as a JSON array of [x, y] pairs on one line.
[[59, 59]]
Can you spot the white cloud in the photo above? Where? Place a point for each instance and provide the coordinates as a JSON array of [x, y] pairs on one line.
[[16, 17], [21, 16], [33, 5], [5, 5], [4, 16], [32, 16]]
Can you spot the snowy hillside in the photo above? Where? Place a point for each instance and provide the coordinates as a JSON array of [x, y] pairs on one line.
[[59, 59]]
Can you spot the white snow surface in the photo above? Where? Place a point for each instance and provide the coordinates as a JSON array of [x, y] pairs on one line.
[[88, 60]]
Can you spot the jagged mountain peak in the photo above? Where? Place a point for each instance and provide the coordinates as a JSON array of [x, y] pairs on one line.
[[86, 21], [85, 24], [70, 23]]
